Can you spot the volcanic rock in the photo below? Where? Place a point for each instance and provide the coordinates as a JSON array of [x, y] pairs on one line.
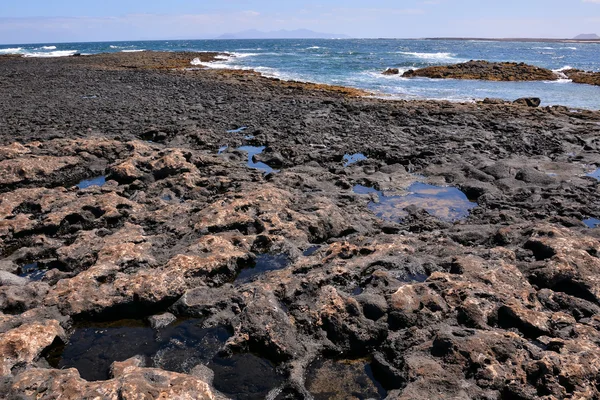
[[485, 70], [391, 71]]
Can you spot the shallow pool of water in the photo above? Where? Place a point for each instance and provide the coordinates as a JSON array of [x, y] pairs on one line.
[[86, 183], [446, 203], [350, 159], [253, 151], [245, 376], [222, 149], [592, 222], [93, 347], [311, 250], [238, 130], [263, 263], [342, 380], [33, 272], [595, 174]]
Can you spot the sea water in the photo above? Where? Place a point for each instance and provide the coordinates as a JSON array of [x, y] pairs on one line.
[[359, 62]]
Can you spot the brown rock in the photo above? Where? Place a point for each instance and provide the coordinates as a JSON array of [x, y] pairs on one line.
[[23, 345], [130, 381], [529, 101], [485, 70]]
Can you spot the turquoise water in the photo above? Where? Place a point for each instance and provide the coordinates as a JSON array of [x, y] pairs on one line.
[[359, 63]]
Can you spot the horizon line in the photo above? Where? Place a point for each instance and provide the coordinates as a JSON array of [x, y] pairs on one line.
[[533, 39]]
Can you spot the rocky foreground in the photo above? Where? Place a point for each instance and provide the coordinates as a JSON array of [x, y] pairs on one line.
[[119, 200], [498, 71]]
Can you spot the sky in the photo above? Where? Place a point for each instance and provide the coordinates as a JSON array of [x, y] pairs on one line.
[[45, 21]]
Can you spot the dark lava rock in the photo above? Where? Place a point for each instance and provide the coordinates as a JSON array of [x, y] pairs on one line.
[[529, 101], [391, 71], [502, 303], [485, 70]]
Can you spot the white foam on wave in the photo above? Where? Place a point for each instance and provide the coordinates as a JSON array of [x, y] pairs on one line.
[[313, 48], [132, 51], [544, 48], [59, 53], [14, 50], [429, 56], [380, 75], [244, 55], [560, 80], [566, 67], [49, 47], [570, 48], [561, 74]]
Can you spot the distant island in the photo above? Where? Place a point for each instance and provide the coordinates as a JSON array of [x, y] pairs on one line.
[[282, 34], [587, 36]]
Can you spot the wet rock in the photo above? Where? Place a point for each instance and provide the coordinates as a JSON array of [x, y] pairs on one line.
[[130, 380], [528, 101], [161, 320], [391, 71], [267, 329]]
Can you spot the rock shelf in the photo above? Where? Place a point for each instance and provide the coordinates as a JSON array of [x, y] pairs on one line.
[[501, 304]]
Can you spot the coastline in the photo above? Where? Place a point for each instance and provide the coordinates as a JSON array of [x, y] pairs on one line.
[[524, 40], [238, 202]]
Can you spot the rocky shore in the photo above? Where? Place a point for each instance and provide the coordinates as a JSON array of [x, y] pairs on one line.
[[579, 76], [168, 232], [495, 71]]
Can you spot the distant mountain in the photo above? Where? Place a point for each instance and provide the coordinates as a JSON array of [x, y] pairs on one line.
[[587, 36], [282, 34]]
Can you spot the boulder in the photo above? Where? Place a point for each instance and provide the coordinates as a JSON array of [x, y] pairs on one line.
[[391, 71], [529, 101]]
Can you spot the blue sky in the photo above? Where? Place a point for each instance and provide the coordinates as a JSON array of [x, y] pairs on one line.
[[35, 21]]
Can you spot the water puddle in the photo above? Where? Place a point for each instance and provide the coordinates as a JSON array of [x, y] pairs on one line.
[[93, 347], [86, 183], [33, 272], [595, 174], [357, 291], [222, 149], [179, 347], [350, 159], [249, 137], [263, 263], [311, 250], [343, 379], [245, 376], [592, 222], [446, 203], [238, 130], [253, 151]]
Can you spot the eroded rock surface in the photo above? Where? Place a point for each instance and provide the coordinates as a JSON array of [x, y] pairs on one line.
[[502, 303]]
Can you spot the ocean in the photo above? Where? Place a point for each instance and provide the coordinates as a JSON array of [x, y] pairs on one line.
[[359, 62]]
